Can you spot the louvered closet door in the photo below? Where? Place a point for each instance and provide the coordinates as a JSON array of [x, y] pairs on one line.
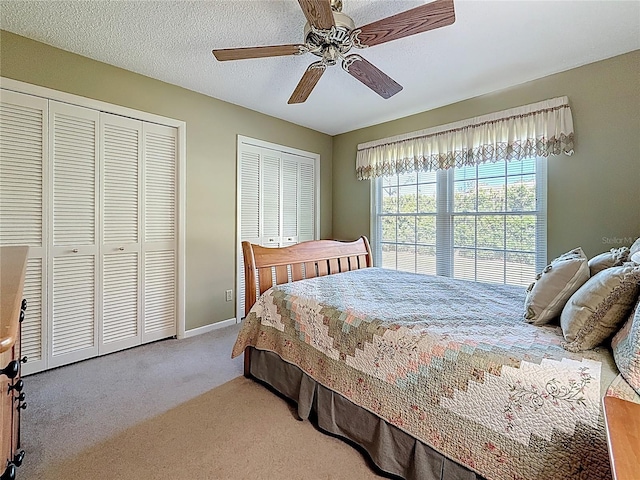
[[159, 246], [121, 192], [73, 299], [249, 199], [23, 146]]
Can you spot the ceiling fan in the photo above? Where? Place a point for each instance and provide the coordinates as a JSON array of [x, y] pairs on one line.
[[330, 35]]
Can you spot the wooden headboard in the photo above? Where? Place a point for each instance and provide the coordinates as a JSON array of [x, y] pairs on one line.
[[263, 265]]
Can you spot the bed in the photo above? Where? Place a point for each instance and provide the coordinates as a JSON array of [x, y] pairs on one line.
[[436, 378]]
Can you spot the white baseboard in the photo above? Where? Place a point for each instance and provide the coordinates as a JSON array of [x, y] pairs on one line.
[[209, 328]]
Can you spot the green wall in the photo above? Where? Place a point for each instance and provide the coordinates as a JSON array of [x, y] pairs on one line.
[[593, 195], [212, 129]]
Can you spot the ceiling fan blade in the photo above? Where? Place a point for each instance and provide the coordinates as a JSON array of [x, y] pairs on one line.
[[307, 82], [318, 13], [371, 76], [417, 20], [225, 54]]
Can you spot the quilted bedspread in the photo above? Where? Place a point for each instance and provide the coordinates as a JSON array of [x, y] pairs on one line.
[[448, 361]]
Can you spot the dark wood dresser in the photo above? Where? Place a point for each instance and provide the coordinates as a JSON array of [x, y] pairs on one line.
[[13, 265]]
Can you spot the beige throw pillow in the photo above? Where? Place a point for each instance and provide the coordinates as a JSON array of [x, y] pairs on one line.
[[599, 307], [558, 281], [612, 258]]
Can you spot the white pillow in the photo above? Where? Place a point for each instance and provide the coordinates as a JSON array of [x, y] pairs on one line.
[[599, 307], [547, 296], [612, 258]]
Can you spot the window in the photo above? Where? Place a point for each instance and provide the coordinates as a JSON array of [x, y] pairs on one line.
[[484, 223]]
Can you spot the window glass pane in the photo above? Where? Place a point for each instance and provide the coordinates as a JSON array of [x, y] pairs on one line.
[[521, 193], [427, 177], [466, 173], [465, 198], [407, 258], [389, 199], [491, 169], [490, 265], [407, 229], [426, 260], [426, 229], [407, 178], [408, 199], [491, 195], [490, 231], [391, 180], [464, 231], [388, 256], [521, 232], [389, 229], [427, 198], [464, 263], [520, 167], [521, 268]]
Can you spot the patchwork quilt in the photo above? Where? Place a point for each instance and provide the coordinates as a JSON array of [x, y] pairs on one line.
[[450, 362]]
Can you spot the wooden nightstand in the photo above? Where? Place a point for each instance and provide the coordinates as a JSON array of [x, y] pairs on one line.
[[623, 437]]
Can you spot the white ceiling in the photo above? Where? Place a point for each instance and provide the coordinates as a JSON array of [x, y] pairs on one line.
[[491, 45]]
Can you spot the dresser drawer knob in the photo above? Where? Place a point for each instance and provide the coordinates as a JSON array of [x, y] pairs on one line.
[[22, 406], [18, 386], [9, 473], [21, 316], [20, 398], [11, 370], [18, 458], [24, 304]]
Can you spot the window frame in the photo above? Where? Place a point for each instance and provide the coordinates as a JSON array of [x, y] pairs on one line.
[[445, 220]]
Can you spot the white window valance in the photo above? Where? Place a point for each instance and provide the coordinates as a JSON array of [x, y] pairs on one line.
[[537, 130]]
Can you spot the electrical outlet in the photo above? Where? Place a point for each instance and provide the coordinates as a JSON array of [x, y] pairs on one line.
[[229, 295]]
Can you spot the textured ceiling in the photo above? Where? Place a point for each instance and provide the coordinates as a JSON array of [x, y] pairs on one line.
[[492, 45]]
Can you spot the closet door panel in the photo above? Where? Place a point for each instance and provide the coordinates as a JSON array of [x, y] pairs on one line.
[[73, 335], [307, 201], [74, 149], [290, 196], [120, 302], [23, 190], [121, 193], [271, 191], [159, 232], [249, 184]]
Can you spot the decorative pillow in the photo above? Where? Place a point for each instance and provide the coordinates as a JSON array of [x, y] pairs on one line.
[[612, 258], [554, 286], [626, 349], [598, 308], [635, 257]]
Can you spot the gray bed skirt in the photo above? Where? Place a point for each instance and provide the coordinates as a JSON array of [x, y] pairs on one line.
[[391, 449]]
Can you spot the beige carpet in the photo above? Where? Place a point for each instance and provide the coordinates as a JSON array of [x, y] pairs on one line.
[[239, 430]]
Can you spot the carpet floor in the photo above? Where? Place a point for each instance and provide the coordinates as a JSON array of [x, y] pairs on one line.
[[176, 409]]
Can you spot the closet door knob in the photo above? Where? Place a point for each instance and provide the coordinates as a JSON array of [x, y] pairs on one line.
[[75, 250], [18, 386], [24, 359], [121, 249], [11, 370]]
